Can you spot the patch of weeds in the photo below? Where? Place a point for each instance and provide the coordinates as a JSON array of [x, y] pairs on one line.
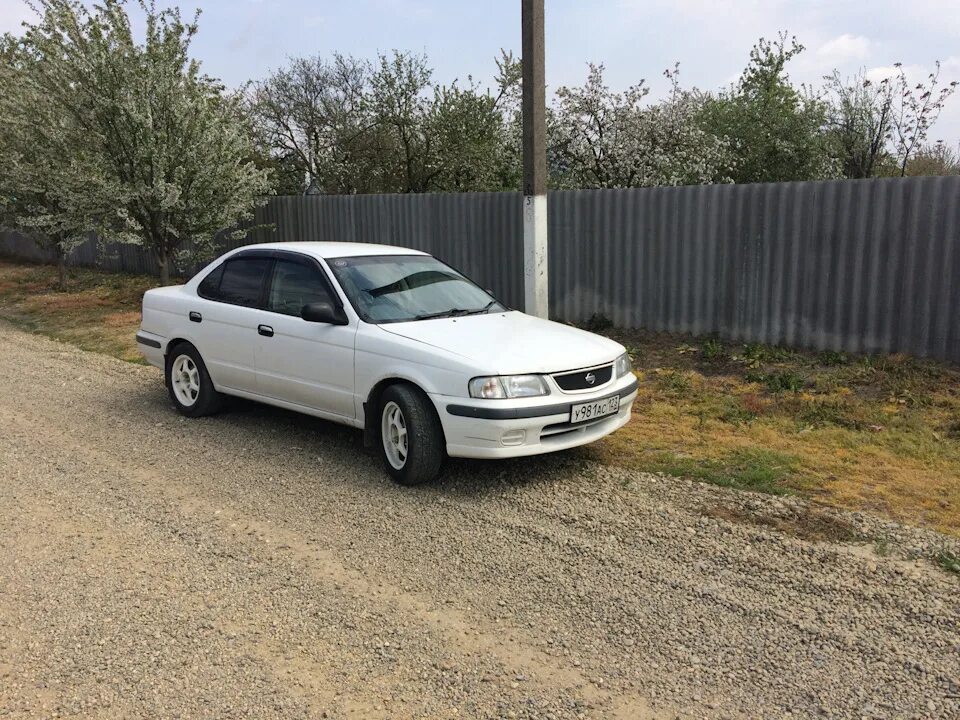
[[713, 351], [734, 413], [901, 395], [821, 412], [951, 430], [701, 419], [756, 469], [635, 353], [778, 382], [882, 547], [741, 410], [599, 322], [753, 403], [824, 382], [832, 358], [756, 354], [785, 381], [807, 524], [898, 367], [674, 383], [948, 561]]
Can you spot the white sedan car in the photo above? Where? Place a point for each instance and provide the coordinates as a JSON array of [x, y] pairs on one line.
[[389, 340]]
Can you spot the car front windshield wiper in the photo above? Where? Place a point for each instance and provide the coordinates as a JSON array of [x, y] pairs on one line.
[[452, 312], [482, 310], [456, 312]]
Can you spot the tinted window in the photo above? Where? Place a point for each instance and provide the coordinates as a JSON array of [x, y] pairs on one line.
[[242, 280], [210, 286], [295, 285]]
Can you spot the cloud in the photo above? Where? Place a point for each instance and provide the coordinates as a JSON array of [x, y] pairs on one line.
[[844, 48], [950, 68], [914, 73]]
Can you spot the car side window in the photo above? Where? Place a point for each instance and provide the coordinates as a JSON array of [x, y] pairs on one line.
[[242, 281], [209, 287], [294, 285]]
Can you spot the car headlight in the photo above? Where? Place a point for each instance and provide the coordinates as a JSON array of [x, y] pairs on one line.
[[508, 386], [623, 365]]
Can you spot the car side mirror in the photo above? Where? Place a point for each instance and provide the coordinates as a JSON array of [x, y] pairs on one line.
[[324, 312]]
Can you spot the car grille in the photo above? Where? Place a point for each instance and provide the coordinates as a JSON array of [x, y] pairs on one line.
[[581, 379]]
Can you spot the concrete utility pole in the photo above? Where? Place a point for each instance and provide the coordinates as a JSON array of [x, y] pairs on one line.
[[534, 162]]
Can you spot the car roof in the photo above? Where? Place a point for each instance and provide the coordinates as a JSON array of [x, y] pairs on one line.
[[335, 249]]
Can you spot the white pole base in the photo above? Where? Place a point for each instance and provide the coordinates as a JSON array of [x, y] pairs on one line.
[[536, 298]]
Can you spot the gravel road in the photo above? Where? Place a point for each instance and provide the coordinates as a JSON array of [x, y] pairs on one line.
[[259, 564]]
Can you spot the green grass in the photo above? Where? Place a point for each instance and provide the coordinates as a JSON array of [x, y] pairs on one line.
[[755, 469]]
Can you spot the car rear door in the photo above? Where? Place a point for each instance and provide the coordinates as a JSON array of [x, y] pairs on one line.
[[228, 314], [306, 363]]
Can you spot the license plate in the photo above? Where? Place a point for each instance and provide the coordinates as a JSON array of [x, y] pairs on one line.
[[596, 409]]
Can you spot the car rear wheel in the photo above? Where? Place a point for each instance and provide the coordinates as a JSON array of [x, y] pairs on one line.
[[189, 384], [411, 439]]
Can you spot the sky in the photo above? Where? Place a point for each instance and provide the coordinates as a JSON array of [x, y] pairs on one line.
[[241, 40]]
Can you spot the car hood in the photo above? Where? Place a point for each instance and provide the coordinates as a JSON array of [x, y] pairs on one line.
[[511, 342]]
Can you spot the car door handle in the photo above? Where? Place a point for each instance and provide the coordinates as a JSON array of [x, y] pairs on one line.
[[195, 316], [265, 330]]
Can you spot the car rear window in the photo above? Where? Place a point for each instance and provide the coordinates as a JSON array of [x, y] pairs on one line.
[[210, 286]]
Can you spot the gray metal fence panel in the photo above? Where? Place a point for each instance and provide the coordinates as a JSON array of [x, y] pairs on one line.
[[854, 265]]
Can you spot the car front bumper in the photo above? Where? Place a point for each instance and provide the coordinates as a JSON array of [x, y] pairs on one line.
[[514, 428]]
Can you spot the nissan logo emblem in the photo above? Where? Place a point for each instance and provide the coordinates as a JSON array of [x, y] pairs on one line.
[[590, 378]]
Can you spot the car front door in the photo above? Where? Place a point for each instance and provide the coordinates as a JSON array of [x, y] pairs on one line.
[[305, 363], [227, 312]]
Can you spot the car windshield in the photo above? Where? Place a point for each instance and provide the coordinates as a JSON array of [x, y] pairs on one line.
[[401, 288]]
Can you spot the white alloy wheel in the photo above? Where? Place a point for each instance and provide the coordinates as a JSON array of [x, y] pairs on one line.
[[185, 379], [393, 431]]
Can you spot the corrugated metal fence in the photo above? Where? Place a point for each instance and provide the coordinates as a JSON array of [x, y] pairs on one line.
[[855, 265]]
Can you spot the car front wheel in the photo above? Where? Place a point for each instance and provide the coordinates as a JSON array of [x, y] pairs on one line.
[[411, 439], [189, 384]]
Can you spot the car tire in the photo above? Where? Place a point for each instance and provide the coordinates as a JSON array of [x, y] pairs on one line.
[[189, 383], [411, 438]]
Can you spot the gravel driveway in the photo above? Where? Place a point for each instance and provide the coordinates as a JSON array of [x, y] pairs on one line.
[[260, 564]]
